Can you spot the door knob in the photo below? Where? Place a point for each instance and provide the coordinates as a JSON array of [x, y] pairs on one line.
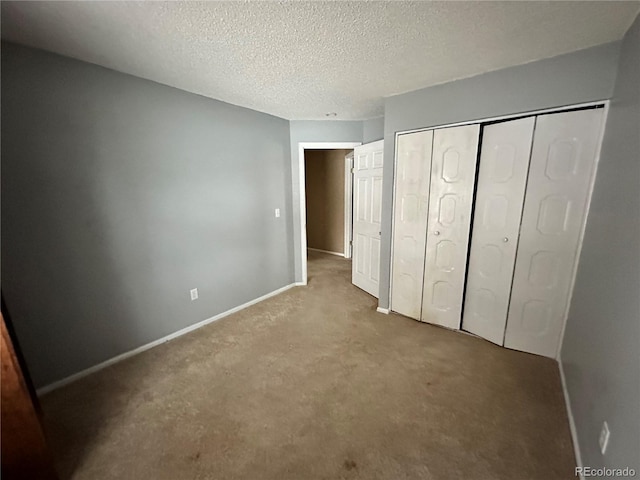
[[436, 232], [505, 239]]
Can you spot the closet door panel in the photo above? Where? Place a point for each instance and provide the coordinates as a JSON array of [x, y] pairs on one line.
[[562, 164], [502, 177], [413, 172], [453, 170]]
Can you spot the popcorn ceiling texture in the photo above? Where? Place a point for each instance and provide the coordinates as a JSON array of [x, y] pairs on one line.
[[300, 60]]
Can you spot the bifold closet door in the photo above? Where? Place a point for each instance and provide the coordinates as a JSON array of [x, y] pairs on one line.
[[453, 171], [413, 174], [563, 159], [502, 177]]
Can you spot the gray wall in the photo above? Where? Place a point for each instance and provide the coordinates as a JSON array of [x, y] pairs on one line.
[[582, 76], [313, 131], [118, 196], [372, 130], [601, 349]]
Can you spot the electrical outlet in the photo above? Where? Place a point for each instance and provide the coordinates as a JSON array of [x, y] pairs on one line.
[[604, 438], [277, 213], [194, 294]]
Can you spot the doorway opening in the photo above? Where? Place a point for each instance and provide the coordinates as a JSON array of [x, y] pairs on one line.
[[328, 183], [326, 199]]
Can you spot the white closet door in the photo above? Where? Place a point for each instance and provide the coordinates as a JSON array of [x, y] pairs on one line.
[[413, 174], [562, 164], [502, 177], [367, 213], [453, 171]]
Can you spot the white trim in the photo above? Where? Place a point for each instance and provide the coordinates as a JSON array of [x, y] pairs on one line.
[[382, 310], [348, 204], [135, 351], [326, 251], [302, 146], [394, 169], [530, 113], [576, 261], [572, 423]]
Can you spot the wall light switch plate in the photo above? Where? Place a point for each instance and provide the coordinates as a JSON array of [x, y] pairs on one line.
[[604, 438], [194, 294], [277, 213]]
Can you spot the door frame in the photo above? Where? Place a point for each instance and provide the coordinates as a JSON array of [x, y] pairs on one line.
[[348, 204], [511, 116], [302, 146]]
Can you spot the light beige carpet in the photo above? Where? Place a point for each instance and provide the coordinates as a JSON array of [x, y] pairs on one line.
[[314, 384]]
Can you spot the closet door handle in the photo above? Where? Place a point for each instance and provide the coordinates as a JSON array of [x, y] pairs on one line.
[[505, 239], [436, 232]]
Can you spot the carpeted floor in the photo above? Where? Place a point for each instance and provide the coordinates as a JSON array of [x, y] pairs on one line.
[[314, 384]]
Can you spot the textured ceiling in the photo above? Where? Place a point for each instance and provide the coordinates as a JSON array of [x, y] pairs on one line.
[[299, 60]]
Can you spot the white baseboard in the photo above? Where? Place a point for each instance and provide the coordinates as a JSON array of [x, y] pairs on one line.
[[135, 351], [382, 310], [326, 251], [572, 423], [300, 284]]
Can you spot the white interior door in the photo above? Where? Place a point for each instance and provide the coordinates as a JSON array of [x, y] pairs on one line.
[[562, 164], [502, 177], [367, 213], [453, 171], [413, 175]]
